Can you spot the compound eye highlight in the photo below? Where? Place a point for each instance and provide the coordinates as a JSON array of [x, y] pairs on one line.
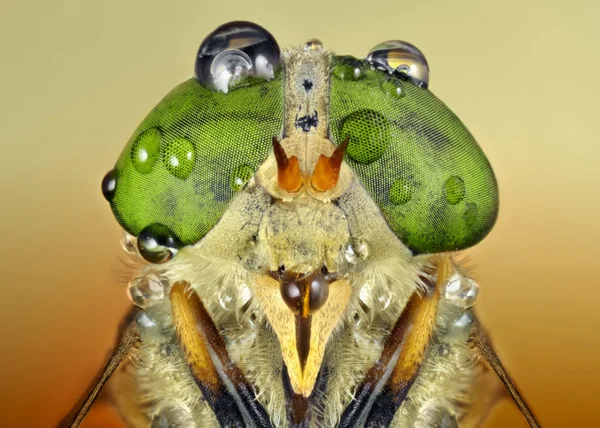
[[235, 51], [401, 58]]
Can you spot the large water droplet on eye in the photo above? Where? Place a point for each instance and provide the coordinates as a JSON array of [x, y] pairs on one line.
[[145, 150], [109, 185], [157, 244], [370, 134], [240, 176], [233, 51], [454, 189], [313, 45], [396, 56], [461, 291], [178, 157], [401, 191], [147, 290], [349, 68]]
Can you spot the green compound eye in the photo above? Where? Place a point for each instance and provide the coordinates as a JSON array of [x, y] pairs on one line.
[[188, 159], [369, 134], [145, 150], [418, 162]]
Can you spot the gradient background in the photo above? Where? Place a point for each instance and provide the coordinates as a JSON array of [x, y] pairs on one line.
[[78, 76]]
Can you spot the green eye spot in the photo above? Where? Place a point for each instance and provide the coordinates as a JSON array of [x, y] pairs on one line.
[[470, 214], [145, 150], [454, 189], [240, 176], [369, 134], [349, 69], [393, 88], [401, 191], [178, 158]]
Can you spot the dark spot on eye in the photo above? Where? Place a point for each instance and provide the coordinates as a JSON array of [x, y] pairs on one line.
[[307, 122], [307, 85]]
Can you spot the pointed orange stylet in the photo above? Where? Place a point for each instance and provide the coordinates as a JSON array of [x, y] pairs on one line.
[[327, 169], [289, 175]]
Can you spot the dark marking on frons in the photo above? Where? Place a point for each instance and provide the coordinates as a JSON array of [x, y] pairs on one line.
[[307, 84], [307, 122]]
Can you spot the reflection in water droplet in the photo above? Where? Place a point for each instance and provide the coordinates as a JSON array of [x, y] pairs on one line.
[[109, 185], [177, 414], [454, 189], [146, 291], [233, 51], [370, 134], [401, 191], [461, 291], [145, 150], [393, 87], [471, 213], [240, 176], [178, 157], [349, 69], [157, 244], [401, 57], [225, 300], [432, 414], [313, 45]]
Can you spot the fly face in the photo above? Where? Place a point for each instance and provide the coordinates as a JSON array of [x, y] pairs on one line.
[[297, 211]]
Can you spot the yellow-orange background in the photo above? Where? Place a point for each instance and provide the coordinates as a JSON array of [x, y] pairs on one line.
[[76, 77]]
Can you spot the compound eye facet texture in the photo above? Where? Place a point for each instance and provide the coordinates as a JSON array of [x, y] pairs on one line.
[[235, 53], [401, 58]]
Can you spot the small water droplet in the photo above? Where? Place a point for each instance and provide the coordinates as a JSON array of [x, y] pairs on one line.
[[470, 214], [225, 300], [129, 243], [393, 87], [109, 185], [240, 176], [349, 69], [157, 243], [454, 190], [433, 414], [146, 150], [178, 157], [146, 291], [461, 291], [244, 294], [313, 45], [401, 191]]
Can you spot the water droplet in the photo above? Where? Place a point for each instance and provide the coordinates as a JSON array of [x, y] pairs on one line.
[[145, 150], [177, 414], [454, 189], [233, 51], [461, 291], [109, 185], [393, 87], [349, 68], [350, 255], [245, 294], [401, 191], [157, 244], [402, 58], [129, 244], [370, 134], [375, 298], [470, 214], [313, 45], [432, 414], [225, 300], [240, 176], [178, 157], [147, 290]]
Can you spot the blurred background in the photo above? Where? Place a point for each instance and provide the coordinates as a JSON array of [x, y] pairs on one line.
[[76, 78]]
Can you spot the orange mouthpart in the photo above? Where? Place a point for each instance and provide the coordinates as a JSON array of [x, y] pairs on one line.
[[327, 169], [289, 175]]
